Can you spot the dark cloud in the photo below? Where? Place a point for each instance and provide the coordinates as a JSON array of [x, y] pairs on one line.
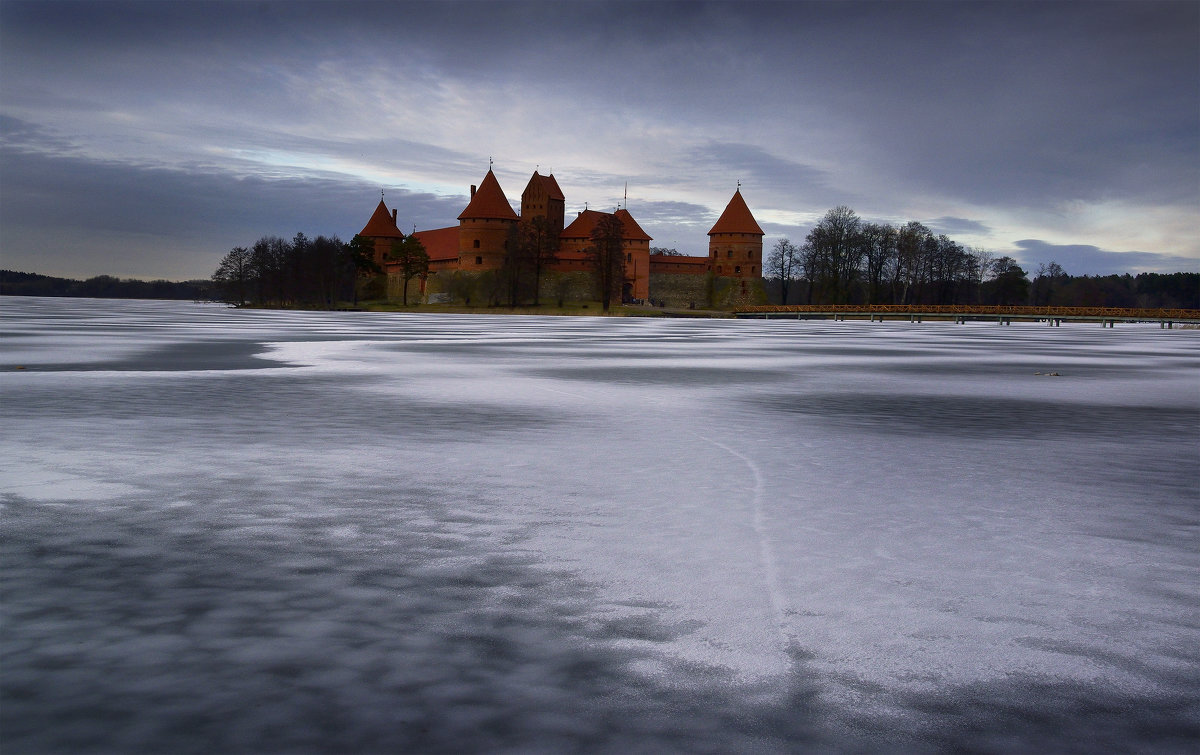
[[1084, 259], [772, 178], [112, 217], [649, 213], [951, 225], [1013, 108]]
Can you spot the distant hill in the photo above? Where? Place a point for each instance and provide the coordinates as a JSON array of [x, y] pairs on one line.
[[13, 283]]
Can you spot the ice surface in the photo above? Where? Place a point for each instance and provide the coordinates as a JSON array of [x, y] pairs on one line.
[[234, 530]]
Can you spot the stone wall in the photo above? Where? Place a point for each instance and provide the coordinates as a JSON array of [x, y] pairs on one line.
[[734, 292], [671, 290], [675, 290]]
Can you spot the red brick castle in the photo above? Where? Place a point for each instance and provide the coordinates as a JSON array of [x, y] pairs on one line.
[[478, 244]]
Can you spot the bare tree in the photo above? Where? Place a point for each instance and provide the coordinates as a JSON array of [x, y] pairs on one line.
[[234, 274], [835, 246], [783, 263], [608, 258], [540, 247], [879, 257], [984, 259], [410, 256]]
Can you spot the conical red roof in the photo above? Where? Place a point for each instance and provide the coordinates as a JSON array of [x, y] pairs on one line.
[[381, 224], [736, 218], [489, 202]]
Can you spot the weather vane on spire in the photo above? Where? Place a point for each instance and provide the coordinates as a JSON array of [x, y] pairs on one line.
[[489, 162], [381, 195], [739, 184]]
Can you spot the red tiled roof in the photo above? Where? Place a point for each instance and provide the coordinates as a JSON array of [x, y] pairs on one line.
[[551, 186], [489, 202], [439, 243], [632, 231], [736, 218], [381, 224], [582, 226]]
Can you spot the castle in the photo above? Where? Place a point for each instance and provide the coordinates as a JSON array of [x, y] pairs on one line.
[[478, 244]]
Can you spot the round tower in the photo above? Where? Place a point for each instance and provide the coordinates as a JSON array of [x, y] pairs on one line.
[[735, 242], [483, 227], [381, 229]]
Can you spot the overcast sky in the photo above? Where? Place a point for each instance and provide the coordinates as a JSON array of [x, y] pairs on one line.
[[147, 139]]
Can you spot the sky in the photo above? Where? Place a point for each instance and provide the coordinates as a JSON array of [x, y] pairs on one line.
[[147, 139]]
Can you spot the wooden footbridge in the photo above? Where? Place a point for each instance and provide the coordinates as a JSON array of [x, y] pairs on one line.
[[1106, 316]]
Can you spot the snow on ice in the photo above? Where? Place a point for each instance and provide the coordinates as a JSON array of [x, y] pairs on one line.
[[235, 530]]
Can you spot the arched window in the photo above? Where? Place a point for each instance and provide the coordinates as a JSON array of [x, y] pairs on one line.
[[478, 260], [476, 243], [629, 256], [729, 254], [737, 270]]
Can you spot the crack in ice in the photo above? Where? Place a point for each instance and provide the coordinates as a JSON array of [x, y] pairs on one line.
[[766, 553]]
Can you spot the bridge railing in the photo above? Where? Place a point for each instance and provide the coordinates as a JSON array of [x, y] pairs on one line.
[[981, 310]]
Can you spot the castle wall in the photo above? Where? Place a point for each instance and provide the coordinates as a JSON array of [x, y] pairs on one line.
[[738, 292], [680, 290]]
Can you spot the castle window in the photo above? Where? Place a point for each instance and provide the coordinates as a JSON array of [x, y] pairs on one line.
[[629, 257], [729, 254], [476, 243], [478, 260], [738, 269]]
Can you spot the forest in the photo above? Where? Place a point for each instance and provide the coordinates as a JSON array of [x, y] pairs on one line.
[[846, 260], [13, 283]]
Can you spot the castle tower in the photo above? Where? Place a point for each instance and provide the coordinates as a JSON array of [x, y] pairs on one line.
[[484, 225], [382, 230], [735, 242], [635, 244], [543, 199], [637, 255]]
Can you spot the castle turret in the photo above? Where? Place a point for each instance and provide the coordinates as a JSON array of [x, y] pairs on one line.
[[735, 242], [543, 199], [483, 227], [383, 231]]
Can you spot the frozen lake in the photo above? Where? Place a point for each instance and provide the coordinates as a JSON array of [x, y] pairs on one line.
[[229, 531]]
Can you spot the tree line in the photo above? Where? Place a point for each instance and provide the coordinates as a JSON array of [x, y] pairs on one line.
[[846, 260], [14, 283], [300, 272]]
